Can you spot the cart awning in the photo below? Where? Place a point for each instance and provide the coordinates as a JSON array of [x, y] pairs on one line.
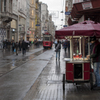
[[86, 28]]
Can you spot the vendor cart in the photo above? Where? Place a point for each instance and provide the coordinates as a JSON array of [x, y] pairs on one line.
[[78, 68]]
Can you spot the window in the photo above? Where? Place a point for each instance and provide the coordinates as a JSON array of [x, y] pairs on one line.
[[32, 1], [32, 24], [4, 5], [32, 12], [1, 6], [10, 6], [46, 38]]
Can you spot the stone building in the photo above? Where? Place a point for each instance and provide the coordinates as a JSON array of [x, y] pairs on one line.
[[44, 18], [6, 16], [27, 20], [37, 21], [21, 19], [32, 20], [51, 26]]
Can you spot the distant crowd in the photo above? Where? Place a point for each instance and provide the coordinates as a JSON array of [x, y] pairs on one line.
[[19, 46]]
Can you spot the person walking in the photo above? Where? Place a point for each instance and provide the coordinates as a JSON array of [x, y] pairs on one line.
[[16, 46], [13, 46], [65, 45], [68, 46], [23, 47], [19, 44], [95, 57], [57, 49], [9, 43], [4, 46]]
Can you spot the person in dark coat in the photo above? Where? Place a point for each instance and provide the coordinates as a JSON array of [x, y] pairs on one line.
[[65, 45], [57, 49], [19, 44], [9, 43], [95, 56], [13, 46], [16, 46], [23, 47], [4, 45], [68, 45]]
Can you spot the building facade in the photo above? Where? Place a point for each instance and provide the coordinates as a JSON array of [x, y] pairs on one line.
[[27, 20], [14, 23], [44, 18], [32, 20], [6, 16], [68, 8], [22, 19], [51, 26], [37, 21]]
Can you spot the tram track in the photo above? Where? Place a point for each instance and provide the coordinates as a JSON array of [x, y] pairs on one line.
[[4, 69]]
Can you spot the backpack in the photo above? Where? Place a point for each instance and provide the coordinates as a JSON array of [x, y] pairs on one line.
[[59, 45]]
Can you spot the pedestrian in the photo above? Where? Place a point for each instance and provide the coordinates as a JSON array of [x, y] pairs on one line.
[[95, 57], [68, 45], [9, 43], [13, 46], [57, 49], [65, 45], [36, 43], [19, 45], [23, 47], [16, 46], [4, 45], [28, 46]]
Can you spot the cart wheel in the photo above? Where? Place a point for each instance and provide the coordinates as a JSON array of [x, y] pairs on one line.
[[91, 81], [63, 81]]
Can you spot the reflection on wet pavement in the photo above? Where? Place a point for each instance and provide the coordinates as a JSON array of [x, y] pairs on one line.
[[12, 63], [48, 86]]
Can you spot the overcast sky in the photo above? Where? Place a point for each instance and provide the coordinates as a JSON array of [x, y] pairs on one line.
[[56, 6]]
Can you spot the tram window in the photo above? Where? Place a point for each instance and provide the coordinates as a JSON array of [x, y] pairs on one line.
[[46, 38]]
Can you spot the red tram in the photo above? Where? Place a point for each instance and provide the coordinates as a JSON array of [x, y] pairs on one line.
[[47, 40]]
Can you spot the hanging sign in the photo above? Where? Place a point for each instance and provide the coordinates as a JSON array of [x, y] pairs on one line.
[[67, 13], [87, 5]]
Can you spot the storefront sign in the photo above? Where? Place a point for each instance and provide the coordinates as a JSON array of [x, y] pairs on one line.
[[37, 24], [65, 26], [87, 5]]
